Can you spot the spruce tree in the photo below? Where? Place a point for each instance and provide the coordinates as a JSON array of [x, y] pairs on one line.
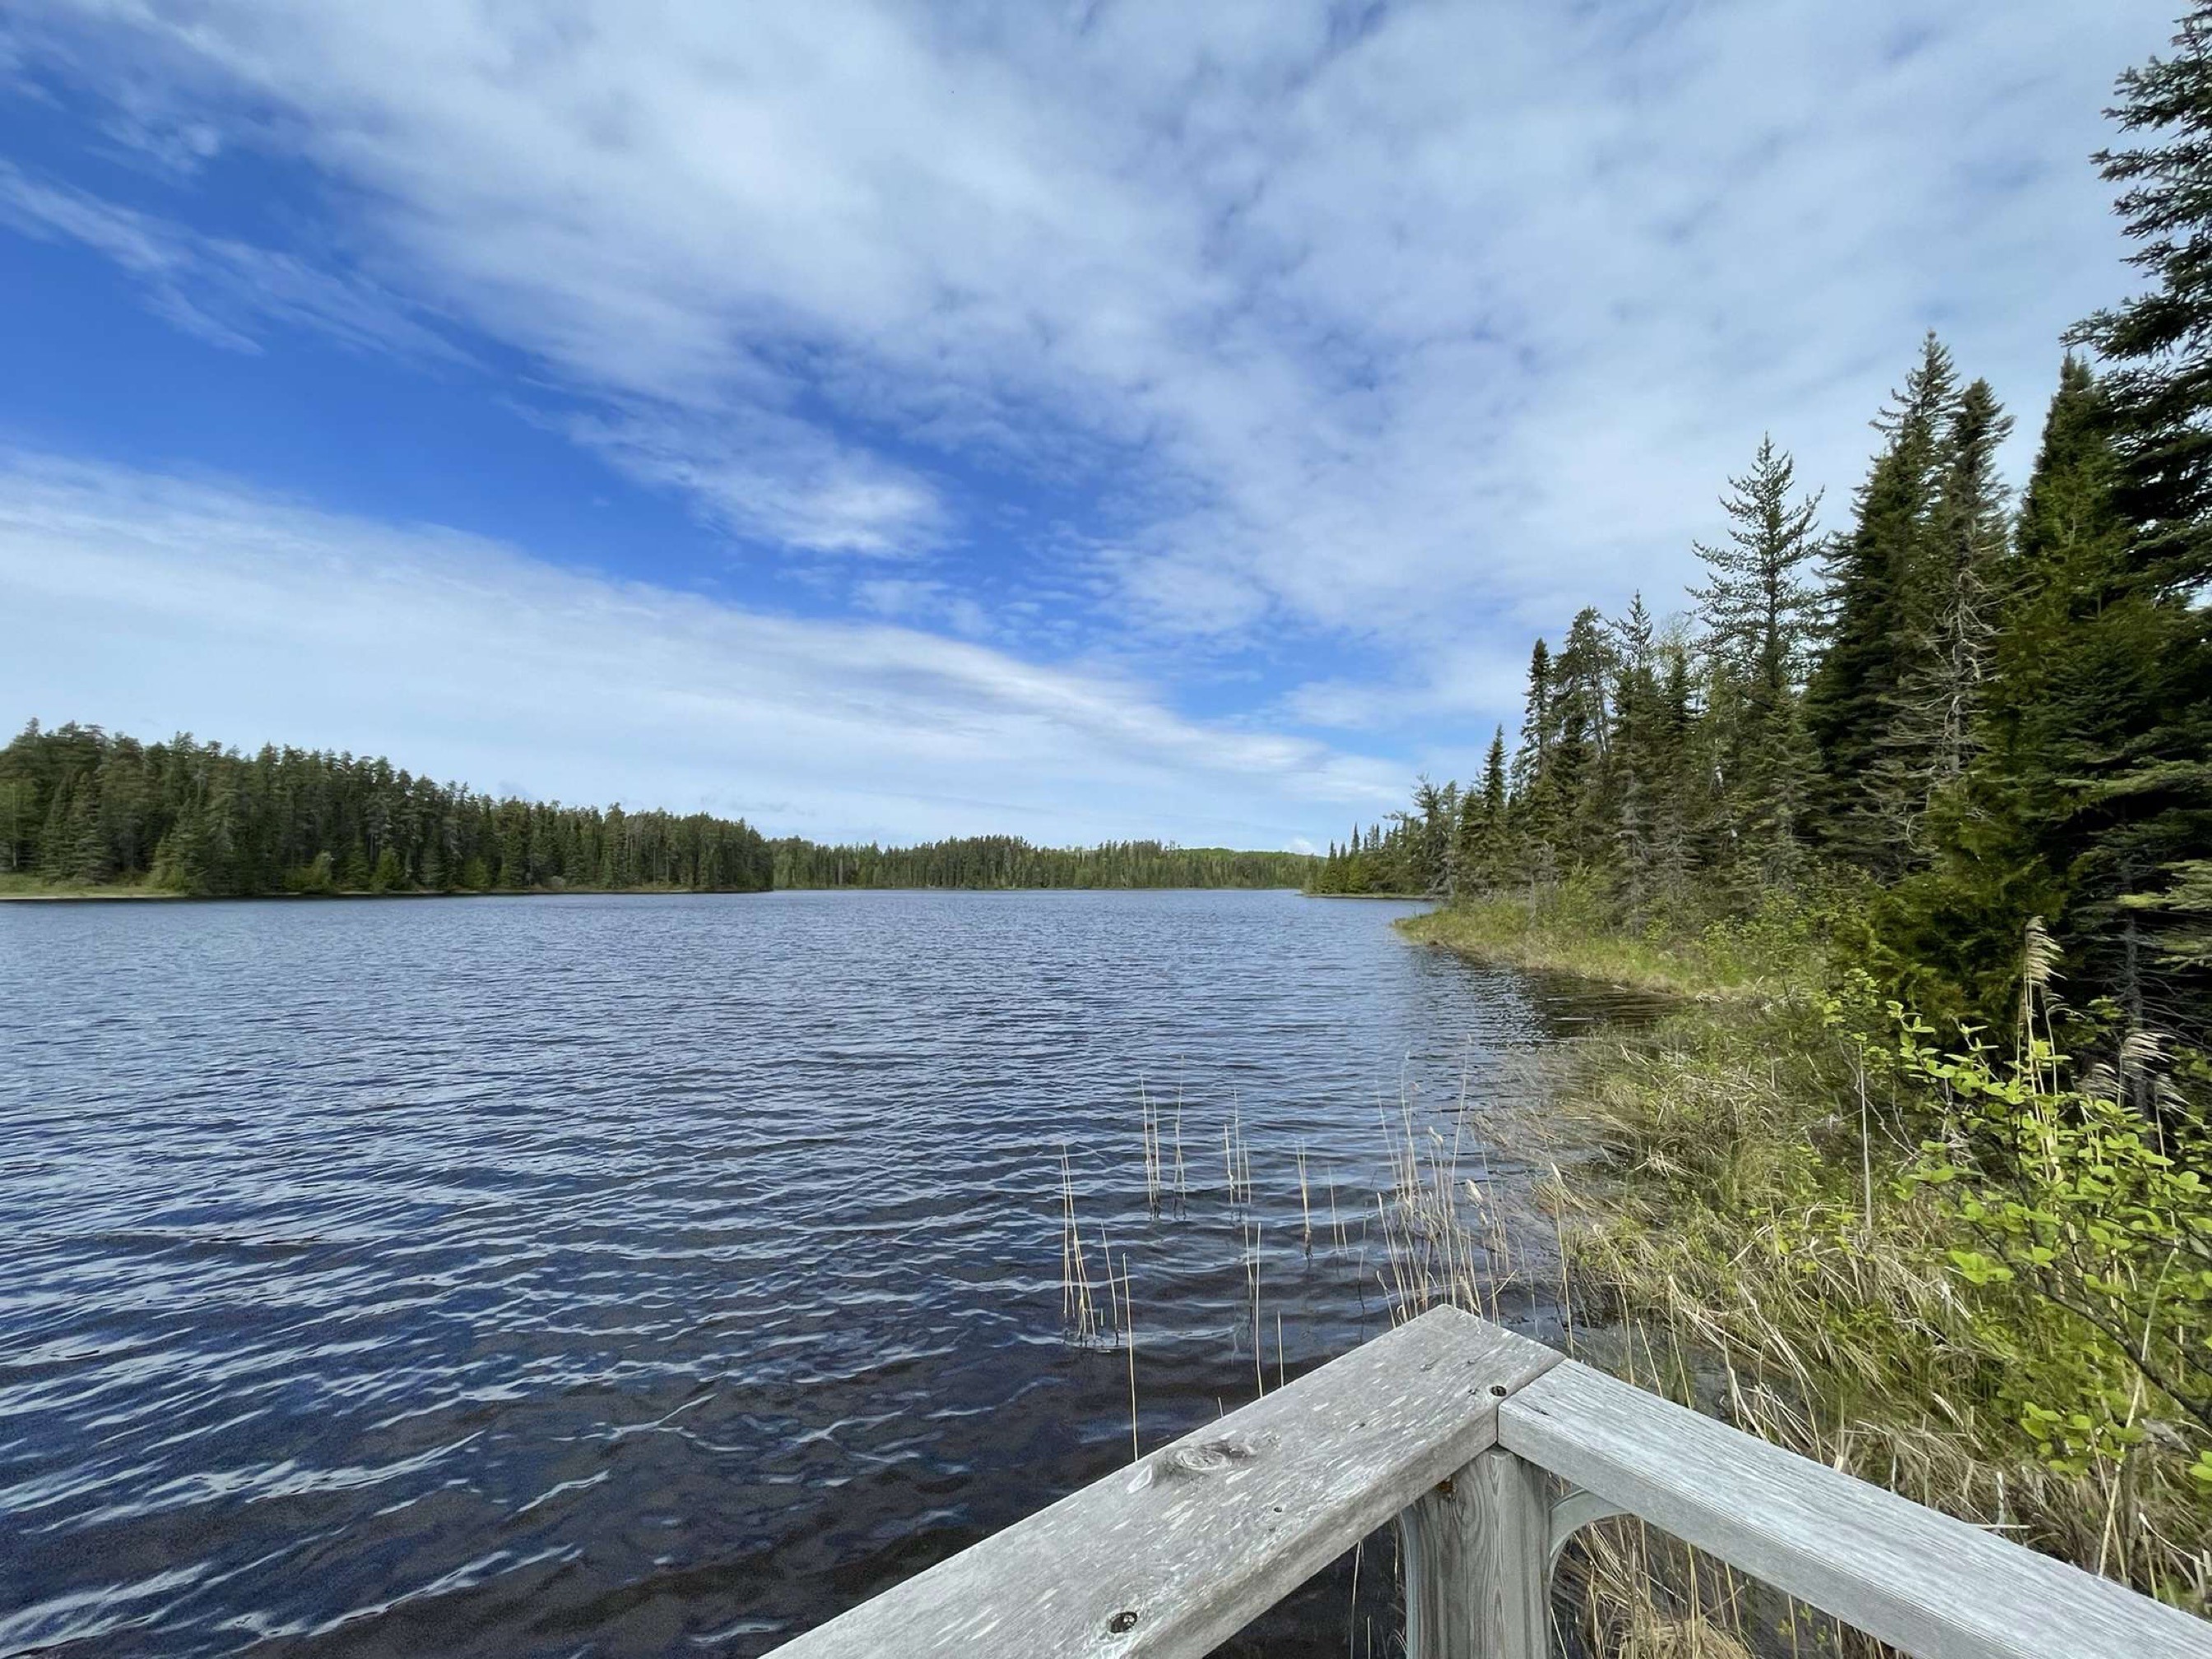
[[1848, 704], [1632, 762], [1581, 699], [1758, 606], [89, 859], [1759, 612], [1494, 857], [1949, 590], [2145, 792], [1673, 833], [1535, 819], [58, 840]]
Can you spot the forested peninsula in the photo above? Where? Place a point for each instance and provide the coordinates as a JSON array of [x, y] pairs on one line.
[[85, 811], [1914, 822], [1960, 714]]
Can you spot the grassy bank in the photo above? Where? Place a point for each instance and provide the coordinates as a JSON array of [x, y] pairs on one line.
[[1977, 1277], [18, 884], [1568, 932]]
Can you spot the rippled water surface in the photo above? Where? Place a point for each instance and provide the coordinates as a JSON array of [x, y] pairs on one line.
[[650, 1275]]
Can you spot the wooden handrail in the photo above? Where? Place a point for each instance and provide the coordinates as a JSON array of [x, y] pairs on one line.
[[1488, 1447], [1921, 1581]]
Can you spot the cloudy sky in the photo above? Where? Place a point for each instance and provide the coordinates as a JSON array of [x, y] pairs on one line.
[[890, 422]]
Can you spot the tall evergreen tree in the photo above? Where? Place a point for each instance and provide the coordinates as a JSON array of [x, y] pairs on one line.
[[1581, 707], [2145, 792], [1633, 760], [2007, 846], [1760, 613], [1949, 589], [1757, 607], [1491, 854], [1847, 705], [1536, 821]]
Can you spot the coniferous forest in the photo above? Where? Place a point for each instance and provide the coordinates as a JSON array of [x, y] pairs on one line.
[[1908, 810], [83, 808], [1965, 710], [1006, 862]]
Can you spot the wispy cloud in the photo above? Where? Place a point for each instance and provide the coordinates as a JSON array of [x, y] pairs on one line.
[[1417, 333], [224, 291], [164, 602], [770, 478]]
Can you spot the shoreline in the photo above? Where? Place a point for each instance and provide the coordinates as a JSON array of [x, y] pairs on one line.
[[1393, 898], [1740, 1188], [122, 894], [1503, 933]]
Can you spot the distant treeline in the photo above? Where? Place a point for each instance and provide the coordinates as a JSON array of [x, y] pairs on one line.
[[82, 806], [1009, 861]]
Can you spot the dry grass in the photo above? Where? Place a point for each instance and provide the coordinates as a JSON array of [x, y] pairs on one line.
[[22, 884], [1728, 1196], [1722, 1223], [1567, 933]]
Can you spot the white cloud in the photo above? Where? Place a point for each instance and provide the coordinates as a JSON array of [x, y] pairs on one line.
[[218, 288], [163, 603], [922, 600], [771, 479], [1423, 332]]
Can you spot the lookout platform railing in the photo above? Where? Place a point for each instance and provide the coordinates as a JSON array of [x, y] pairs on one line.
[[1491, 1451]]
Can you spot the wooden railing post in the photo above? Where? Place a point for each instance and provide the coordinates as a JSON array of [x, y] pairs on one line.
[[1475, 1550]]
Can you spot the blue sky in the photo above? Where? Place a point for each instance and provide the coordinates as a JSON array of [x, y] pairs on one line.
[[1078, 421]]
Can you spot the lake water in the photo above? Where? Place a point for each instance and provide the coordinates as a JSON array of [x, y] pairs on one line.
[[645, 1275]]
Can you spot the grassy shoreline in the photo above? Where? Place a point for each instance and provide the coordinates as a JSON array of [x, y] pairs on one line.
[[33, 890], [1727, 962], [1742, 1197]]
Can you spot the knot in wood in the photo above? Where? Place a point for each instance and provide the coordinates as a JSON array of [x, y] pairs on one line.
[[1224, 1452]]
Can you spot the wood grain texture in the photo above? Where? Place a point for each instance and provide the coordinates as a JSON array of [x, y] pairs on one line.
[[1477, 1572], [1929, 1585], [1168, 1557]]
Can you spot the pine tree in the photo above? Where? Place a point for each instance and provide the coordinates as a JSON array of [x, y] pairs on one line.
[[1949, 591], [1581, 699], [1492, 856], [1535, 819], [2157, 346], [1848, 704], [58, 840], [89, 859], [1632, 763], [2146, 792], [1759, 613], [1428, 837], [1532, 757], [1757, 605], [1676, 752]]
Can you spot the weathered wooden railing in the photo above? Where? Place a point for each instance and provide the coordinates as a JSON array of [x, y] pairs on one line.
[[1490, 1451]]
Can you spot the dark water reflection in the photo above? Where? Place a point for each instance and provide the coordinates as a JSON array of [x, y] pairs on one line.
[[650, 1276]]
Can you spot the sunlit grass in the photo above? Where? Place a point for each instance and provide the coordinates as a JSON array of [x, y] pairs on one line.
[[1733, 1210], [1566, 932], [20, 883]]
